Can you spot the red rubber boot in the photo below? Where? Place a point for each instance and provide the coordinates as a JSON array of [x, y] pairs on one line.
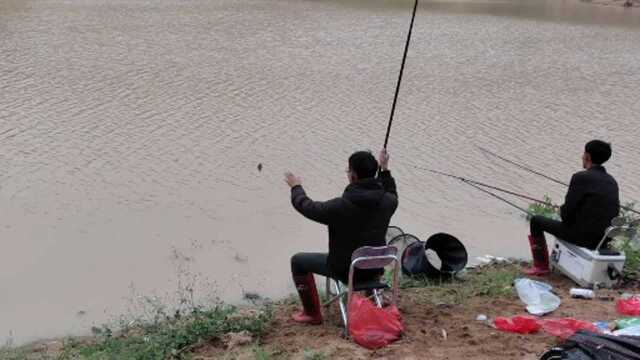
[[311, 313], [540, 257]]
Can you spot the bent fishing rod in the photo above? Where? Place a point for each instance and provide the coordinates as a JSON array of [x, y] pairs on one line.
[[404, 59], [489, 152], [492, 187]]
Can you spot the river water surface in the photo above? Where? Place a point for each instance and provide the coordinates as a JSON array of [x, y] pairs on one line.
[[131, 131]]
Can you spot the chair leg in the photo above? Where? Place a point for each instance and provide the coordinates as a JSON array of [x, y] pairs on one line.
[[376, 296], [343, 306], [333, 299], [328, 288]]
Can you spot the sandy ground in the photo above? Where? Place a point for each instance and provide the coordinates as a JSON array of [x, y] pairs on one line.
[[425, 327]]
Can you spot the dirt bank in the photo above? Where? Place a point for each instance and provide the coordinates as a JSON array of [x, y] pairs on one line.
[[427, 320], [439, 318]]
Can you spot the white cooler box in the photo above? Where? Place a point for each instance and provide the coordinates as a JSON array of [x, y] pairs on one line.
[[588, 268]]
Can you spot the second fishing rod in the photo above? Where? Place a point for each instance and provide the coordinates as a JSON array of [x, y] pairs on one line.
[[485, 185], [532, 171]]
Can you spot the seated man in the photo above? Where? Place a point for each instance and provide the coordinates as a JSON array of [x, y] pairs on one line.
[[590, 205], [359, 217]]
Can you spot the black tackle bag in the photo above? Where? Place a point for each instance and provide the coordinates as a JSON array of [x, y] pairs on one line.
[[586, 345]]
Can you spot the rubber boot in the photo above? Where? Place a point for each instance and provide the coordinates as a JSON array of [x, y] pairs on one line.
[[311, 313], [540, 257]]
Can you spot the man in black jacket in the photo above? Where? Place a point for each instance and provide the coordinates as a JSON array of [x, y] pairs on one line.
[[359, 217], [590, 205]]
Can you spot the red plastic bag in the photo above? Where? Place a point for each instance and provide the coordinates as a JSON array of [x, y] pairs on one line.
[[566, 327], [630, 306], [373, 327], [517, 324]]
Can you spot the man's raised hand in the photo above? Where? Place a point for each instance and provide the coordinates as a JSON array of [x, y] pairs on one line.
[[292, 180], [383, 159]]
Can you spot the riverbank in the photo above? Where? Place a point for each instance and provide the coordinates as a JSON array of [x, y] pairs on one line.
[[439, 318]]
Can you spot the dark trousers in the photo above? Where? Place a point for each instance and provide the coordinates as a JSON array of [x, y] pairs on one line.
[[540, 224], [304, 263]]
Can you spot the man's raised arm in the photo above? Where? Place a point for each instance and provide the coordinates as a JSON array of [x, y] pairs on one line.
[[384, 175], [319, 211]]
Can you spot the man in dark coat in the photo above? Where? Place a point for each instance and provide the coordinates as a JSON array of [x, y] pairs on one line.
[[590, 204], [359, 217]]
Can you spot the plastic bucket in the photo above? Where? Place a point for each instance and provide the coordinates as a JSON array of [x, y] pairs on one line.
[[451, 254]]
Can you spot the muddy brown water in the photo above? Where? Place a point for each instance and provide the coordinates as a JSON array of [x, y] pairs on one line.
[[131, 131]]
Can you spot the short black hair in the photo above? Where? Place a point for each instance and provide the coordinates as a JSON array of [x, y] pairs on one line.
[[364, 164], [599, 151]]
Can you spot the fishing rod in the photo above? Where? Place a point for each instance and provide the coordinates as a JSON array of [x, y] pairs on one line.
[[521, 166], [404, 58], [539, 173], [486, 186], [497, 197]]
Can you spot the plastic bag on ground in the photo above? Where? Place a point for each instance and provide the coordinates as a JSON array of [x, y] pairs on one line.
[[517, 324], [627, 322], [629, 331], [537, 296], [566, 327], [373, 327], [630, 306]]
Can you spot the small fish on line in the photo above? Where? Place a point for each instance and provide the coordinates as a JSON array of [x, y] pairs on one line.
[[259, 166]]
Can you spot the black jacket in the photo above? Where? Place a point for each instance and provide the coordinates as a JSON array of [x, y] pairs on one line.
[[359, 217], [591, 203]]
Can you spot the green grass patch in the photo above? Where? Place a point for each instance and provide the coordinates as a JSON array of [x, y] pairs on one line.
[[631, 271], [314, 355], [546, 209], [261, 353], [490, 281], [172, 338]]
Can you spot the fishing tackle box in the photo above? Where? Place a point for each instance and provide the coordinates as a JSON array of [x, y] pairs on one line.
[[601, 267], [588, 268]]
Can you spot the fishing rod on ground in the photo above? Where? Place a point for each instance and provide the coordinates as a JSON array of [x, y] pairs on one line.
[[489, 152], [493, 187], [404, 58]]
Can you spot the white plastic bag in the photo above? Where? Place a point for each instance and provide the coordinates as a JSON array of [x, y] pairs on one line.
[[629, 331], [537, 296]]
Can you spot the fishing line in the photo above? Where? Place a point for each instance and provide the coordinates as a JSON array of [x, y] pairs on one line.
[[404, 58], [539, 173]]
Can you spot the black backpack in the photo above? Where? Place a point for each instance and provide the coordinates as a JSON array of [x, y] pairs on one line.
[[586, 345]]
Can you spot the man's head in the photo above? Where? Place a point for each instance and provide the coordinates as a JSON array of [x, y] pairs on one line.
[[362, 165], [596, 152]]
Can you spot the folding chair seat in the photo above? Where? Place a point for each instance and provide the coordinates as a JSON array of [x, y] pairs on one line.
[[370, 285], [366, 257]]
